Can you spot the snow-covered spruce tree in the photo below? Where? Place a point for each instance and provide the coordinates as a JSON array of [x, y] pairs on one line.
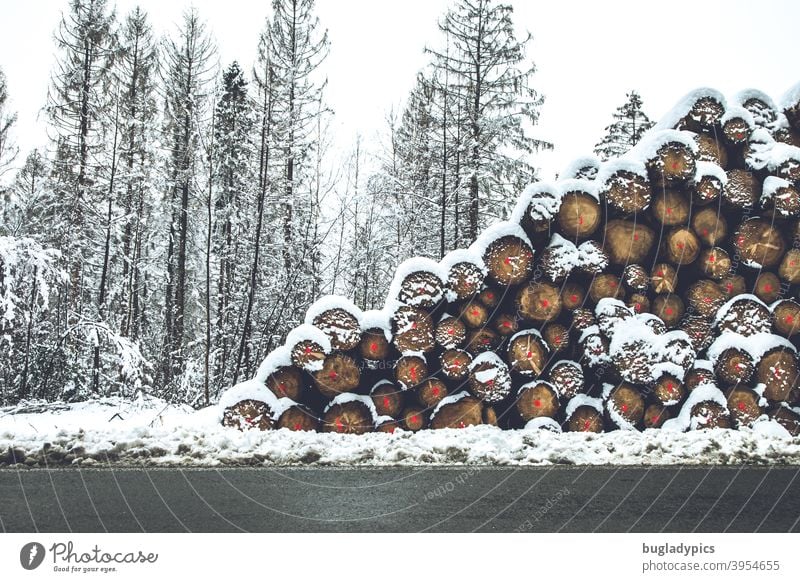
[[28, 207], [486, 66], [188, 70], [297, 50], [8, 151], [79, 107], [263, 264], [232, 214], [29, 277], [136, 73], [630, 123]]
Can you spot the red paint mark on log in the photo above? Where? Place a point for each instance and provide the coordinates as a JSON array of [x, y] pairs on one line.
[[674, 165], [767, 288], [669, 210], [681, 245], [297, 426], [490, 296], [711, 258], [587, 425], [307, 350], [741, 406], [373, 347], [386, 402], [580, 220], [529, 354], [435, 391], [573, 298], [612, 284], [624, 408], [414, 419], [705, 232], [485, 341], [545, 303], [635, 236], [451, 331], [729, 287], [413, 325], [461, 424], [475, 312], [789, 319], [413, 373], [660, 273], [506, 324], [637, 307], [332, 375], [339, 425], [668, 311], [507, 260], [670, 388]]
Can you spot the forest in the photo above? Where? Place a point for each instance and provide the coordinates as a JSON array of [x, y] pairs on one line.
[[186, 212]]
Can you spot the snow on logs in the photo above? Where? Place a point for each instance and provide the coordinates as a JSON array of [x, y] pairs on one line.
[[656, 290]]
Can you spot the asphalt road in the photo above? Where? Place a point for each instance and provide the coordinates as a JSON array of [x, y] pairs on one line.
[[574, 499]]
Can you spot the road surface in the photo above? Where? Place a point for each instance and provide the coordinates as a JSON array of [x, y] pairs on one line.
[[457, 499]]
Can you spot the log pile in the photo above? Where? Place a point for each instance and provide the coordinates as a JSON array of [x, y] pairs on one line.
[[657, 290]]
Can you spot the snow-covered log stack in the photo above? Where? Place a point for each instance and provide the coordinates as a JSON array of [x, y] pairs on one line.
[[657, 290]]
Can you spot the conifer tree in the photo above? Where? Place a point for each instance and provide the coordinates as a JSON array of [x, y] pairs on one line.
[[630, 124]]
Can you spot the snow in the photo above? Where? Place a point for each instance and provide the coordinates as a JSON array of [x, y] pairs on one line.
[[280, 357], [450, 399], [591, 257], [543, 423], [685, 104], [377, 319], [652, 141], [409, 267], [745, 94], [684, 420], [497, 378], [563, 257], [781, 153], [710, 169], [329, 302], [755, 345], [350, 397], [308, 332], [771, 185], [153, 433], [791, 98], [737, 112], [380, 383], [497, 231], [582, 400], [578, 164], [610, 169], [577, 185], [724, 313], [461, 256], [247, 390], [542, 198]]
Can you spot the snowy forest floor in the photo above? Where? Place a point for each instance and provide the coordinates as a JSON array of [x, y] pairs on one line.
[[151, 432]]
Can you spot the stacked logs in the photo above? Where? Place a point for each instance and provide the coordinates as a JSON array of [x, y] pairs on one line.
[[656, 290]]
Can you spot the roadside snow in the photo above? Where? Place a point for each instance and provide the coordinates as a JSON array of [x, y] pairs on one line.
[[149, 432]]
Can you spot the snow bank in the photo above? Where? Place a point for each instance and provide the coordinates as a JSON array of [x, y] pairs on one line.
[[151, 432]]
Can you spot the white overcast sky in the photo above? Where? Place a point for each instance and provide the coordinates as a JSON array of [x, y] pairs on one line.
[[588, 54]]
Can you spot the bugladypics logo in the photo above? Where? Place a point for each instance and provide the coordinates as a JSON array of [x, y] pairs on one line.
[[31, 555]]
